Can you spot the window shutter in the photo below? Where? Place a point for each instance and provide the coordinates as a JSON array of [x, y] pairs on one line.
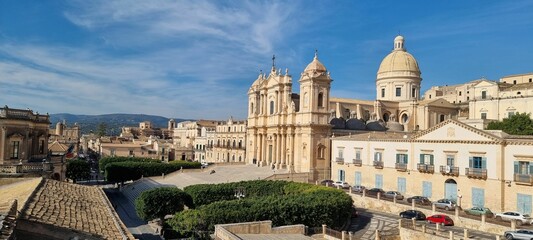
[[421, 158], [516, 170], [397, 158], [470, 162], [483, 163], [340, 172], [406, 158], [431, 159], [530, 169]]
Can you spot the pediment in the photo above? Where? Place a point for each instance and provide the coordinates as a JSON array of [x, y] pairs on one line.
[[452, 130], [485, 83]]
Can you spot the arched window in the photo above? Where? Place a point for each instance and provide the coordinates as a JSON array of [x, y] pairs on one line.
[[320, 99], [251, 108], [441, 118], [271, 107], [233, 143]]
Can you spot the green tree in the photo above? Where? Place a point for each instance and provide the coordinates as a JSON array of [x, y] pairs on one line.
[[518, 124], [78, 170], [102, 129], [159, 202]]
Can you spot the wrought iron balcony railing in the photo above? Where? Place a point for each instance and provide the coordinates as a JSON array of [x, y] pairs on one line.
[[526, 179], [449, 170], [476, 173], [401, 167], [378, 164], [425, 168]]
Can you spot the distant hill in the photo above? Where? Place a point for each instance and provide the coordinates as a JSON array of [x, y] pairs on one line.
[[114, 122]]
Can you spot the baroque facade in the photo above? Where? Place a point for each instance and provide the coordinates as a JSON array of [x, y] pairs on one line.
[[287, 130], [229, 142]]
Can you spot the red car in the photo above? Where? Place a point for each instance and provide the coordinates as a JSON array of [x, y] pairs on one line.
[[440, 218]]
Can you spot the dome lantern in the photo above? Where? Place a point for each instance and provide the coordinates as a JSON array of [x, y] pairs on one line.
[[398, 43]]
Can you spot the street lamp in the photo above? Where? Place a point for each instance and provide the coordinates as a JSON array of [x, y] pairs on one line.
[[239, 193]]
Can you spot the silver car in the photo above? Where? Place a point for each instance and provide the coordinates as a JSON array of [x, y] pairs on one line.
[[393, 194], [358, 188], [519, 234], [446, 204]]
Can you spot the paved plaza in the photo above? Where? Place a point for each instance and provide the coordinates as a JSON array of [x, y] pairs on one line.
[[222, 174]]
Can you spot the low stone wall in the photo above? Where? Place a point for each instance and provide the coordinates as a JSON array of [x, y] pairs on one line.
[[292, 229], [293, 177], [407, 233], [391, 207]]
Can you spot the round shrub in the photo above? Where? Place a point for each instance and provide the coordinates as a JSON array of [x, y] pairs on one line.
[[159, 202]]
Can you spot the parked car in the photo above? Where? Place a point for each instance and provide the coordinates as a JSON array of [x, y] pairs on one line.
[[393, 194], [440, 219], [327, 182], [446, 204], [410, 214], [358, 188], [374, 192], [419, 200], [519, 234], [520, 218], [478, 211], [341, 184]]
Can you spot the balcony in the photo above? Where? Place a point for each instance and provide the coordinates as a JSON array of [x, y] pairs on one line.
[[339, 160], [402, 167], [358, 162], [378, 164], [425, 168], [523, 179], [476, 173], [449, 170]]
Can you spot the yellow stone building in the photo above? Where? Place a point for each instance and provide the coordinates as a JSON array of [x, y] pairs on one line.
[[450, 160]]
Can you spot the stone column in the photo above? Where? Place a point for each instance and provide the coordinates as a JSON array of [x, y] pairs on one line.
[[324, 229], [413, 205], [513, 224], [456, 214], [465, 233], [350, 235], [379, 195], [424, 228], [284, 150], [451, 235], [433, 208], [279, 150], [483, 219], [343, 235]]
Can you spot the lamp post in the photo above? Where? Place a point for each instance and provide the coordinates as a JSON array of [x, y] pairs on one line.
[[239, 192]]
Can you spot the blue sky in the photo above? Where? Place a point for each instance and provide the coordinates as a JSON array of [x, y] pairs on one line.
[[197, 59]]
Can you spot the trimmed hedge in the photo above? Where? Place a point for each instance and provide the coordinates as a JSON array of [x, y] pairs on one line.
[[285, 203], [203, 194], [107, 160], [125, 171], [159, 202]]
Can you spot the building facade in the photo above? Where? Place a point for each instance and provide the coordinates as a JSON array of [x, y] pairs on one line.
[[288, 130], [450, 160], [229, 143]]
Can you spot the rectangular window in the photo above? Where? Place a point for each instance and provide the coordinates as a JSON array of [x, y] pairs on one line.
[[358, 181], [523, 203], [510, 114], [478, 197], [377, 156], [340, 152], [341, 175], [450, 159], [426, 189], [483, 94], [383, 92], [358, 154], [478, 162], [398, 92], [426, 159], [379, 180], [522, 167], [401, 185], [483, 115], [401, 158], [15, 149], [413, 92]]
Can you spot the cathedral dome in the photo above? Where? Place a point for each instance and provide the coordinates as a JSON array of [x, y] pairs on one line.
[[315, 66], [399, 60]]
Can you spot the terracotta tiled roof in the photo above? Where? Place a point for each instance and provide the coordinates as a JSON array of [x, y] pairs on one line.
[[77, 207]]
